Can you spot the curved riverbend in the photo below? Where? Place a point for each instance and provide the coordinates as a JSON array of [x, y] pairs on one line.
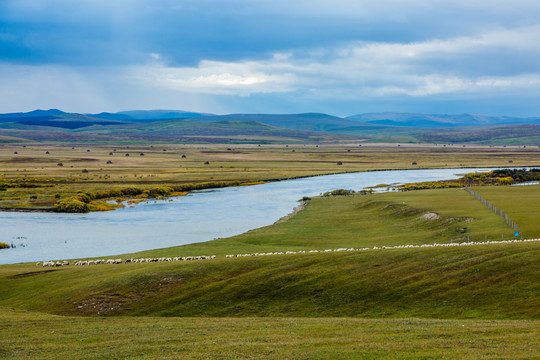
[[198, 217]]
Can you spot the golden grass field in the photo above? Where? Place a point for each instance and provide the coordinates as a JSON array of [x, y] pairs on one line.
[[85, 168]]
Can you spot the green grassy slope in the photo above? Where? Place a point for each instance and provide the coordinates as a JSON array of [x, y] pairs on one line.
[[385, 219], [480, 282], [500, 134], [169, 131], [26, 335], [466, 302], [521, 203], [484, 281]]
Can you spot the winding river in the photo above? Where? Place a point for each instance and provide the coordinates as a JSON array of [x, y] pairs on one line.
[[200, 216]]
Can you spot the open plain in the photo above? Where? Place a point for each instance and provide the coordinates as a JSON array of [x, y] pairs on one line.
[[411, 302], [41, 175]]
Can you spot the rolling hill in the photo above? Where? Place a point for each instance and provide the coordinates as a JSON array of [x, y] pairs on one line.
[[81, 128], [185, 126], [438, 120]]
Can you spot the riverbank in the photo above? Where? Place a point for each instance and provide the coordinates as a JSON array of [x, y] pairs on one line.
[[295, 211], [98, 169], [44, 210], [196, 218]]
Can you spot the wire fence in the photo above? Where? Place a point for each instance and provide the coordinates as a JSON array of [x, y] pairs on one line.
[[496, 210]]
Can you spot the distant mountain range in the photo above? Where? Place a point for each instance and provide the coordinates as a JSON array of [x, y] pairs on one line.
[[169, 125], [315, 121], [437, 120], [148, 115]]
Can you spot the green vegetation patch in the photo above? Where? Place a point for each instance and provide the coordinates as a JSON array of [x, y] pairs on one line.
[[477, 282], [485, 281], [521, 203], [358, 221], [28, 335], [87, 201], [495, 177]]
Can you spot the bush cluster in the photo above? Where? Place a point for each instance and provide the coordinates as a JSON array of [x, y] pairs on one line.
[[80, 202], [339, 192], [72, 205], [495, 177]]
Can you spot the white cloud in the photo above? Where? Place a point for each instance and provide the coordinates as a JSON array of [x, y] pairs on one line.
[[213, 77], [481, 65], [369, 69]]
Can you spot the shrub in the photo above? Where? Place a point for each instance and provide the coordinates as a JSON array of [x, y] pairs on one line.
[[506, 180], [71, 205], [85, 197], [3, 245], [160, 191], [131, 191], [103, 206], [339, 192]]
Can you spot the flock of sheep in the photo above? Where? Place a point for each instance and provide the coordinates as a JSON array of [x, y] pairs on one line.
[[205, 257], [120, 261]]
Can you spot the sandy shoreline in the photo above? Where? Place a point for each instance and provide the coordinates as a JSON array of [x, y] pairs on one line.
[[295, 211]]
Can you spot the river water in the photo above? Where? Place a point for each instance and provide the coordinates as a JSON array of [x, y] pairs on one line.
[[200, 216]]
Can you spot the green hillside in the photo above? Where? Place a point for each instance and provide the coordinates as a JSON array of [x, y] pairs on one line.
[[481, 281], [30, 335], [467, 302], [173, 131]]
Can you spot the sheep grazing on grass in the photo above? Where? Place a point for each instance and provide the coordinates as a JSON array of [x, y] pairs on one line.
[[114, 261], [314, 251], [54, 263]]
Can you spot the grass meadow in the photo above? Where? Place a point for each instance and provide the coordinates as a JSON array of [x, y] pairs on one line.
[[86, 167], [466, 302], [27, 335]]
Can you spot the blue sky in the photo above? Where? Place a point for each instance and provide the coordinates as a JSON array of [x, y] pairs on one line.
[[341, 57]]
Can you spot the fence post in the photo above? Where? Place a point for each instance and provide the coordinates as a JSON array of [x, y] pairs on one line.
[[497, 211]]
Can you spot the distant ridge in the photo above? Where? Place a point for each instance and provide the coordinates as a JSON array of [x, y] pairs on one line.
[[111, 116], [419, 120], [34, 113], [301, 121], [167, 125], [305, 121], [160, 114]]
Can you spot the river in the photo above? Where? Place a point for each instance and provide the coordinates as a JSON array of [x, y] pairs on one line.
[[200, 216]]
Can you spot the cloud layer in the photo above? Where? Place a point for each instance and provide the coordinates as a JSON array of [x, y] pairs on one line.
[[341, 57]]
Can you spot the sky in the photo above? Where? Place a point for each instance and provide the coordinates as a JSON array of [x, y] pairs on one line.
[[341, 57]]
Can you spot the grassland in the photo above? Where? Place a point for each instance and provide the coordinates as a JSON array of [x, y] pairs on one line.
[[480, 282], [85, 168], [385, 219], [456, 302], [521, 203], [25, 335], [474, 282]]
